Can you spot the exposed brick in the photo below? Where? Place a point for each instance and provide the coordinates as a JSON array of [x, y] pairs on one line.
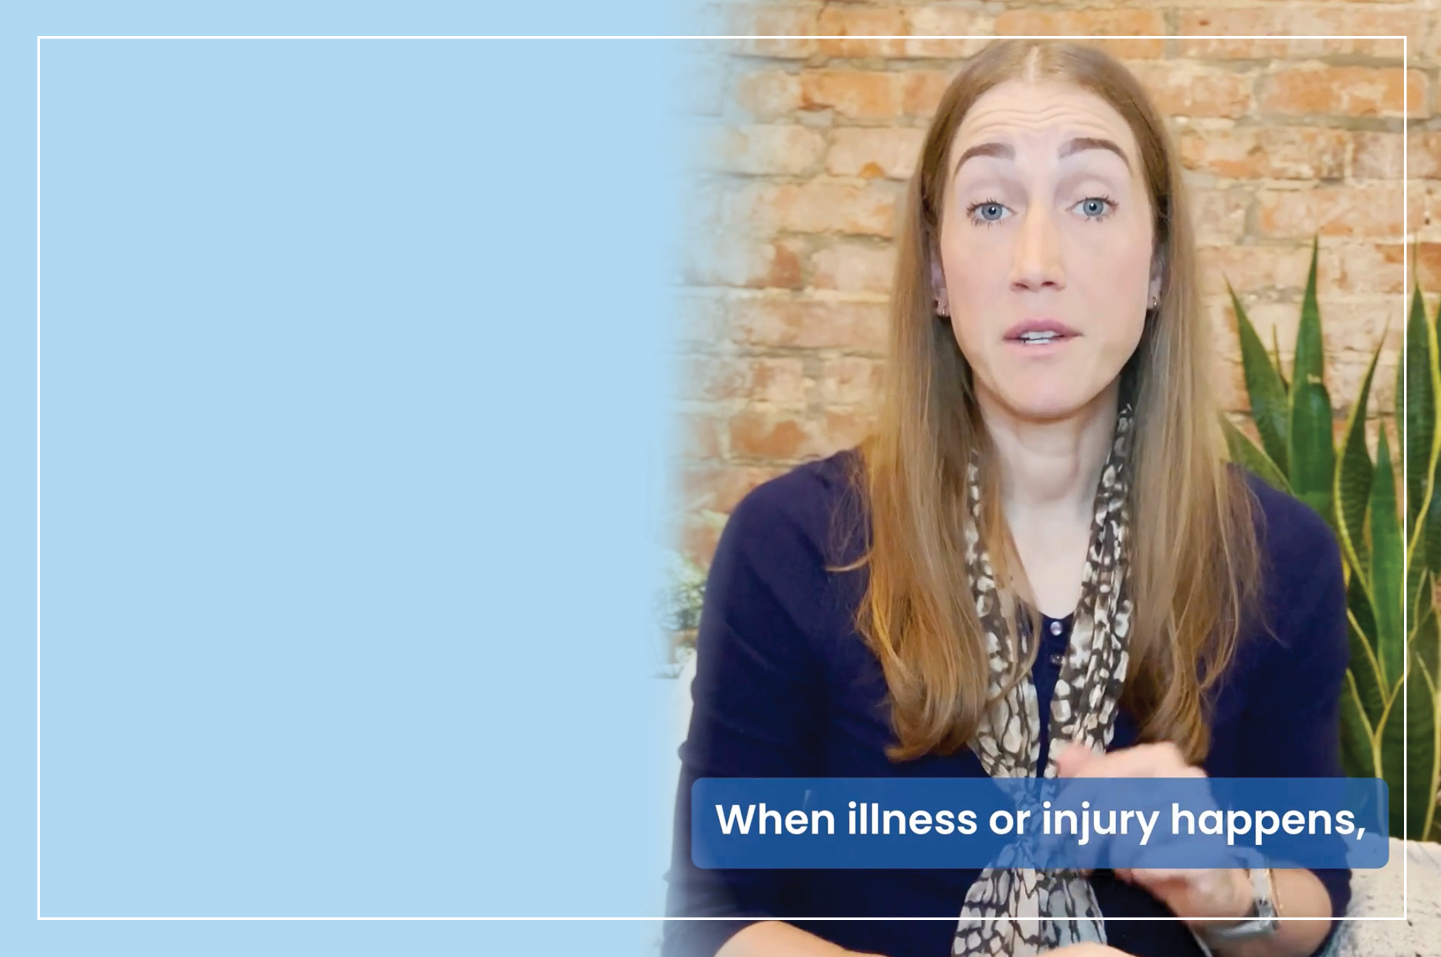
[[889, 152], [1229, 379], [700, 437], [1252, 267], [945, 21], [1269, 319], [1417, 205], [1428, 265], [1362, 268], [852, 94], [708, 377], [1357, 323], [817, 206], [922, 89], [1266, 152], [759, 432], [1349, 323], [1371, 210], [741, 261], [1418, 86], [862, 21], [1313, 88], [845, 427], [1344, 374], [1423, 154], [795, 25], [1377, 155], [944, 44], [767, 150], [811, 324], [768, 94], [854, 267], [1276, 23], [1279, 138], [849, 380], [1041, 21], [780, 380], [1220, 215], [1180, 88], [719, 488]]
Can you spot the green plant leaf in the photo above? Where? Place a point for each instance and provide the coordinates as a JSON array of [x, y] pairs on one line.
[[1353, 476], [1371, 689], [1309, 363], [1359, 755], [1408, 738], [1418, 600], [1418, 580], [1263, 386], [1358, 606], [1424, 537], [1312, 471], [1426, 642], [1427, 539], [1415, 380], [1386, 578], [1424, 715], [1276, 358], [1247, 454], [1426, 544]]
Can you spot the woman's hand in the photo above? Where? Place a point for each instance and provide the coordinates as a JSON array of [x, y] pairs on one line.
[[1200, 896], [1088, 949]]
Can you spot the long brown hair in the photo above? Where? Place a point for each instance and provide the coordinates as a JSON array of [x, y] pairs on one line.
[[1193, 554]]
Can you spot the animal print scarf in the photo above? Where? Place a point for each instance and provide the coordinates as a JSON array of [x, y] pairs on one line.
[[1043, 910]]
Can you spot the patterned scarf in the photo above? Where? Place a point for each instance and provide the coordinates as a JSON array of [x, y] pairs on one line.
[[1052, 908]]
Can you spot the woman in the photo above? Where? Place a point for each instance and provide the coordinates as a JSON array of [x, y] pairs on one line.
[[1047, 445]]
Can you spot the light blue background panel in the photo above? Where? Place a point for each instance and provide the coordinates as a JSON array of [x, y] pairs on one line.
[[352, 394]]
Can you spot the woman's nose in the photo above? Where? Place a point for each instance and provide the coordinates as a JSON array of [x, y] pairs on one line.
[[1038, 253]]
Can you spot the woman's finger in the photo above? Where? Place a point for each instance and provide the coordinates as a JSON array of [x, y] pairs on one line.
[[1160, 760]]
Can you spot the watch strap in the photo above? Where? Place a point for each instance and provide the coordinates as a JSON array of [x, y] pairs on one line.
[[1261, 921]]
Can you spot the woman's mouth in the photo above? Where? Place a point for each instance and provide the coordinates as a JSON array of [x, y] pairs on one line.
[[1038, 333], [1039, 338]]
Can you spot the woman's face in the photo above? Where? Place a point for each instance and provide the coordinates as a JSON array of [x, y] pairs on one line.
[[1046, 262]]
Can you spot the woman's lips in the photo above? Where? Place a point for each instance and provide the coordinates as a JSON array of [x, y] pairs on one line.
[[1039, 330], [1040, 347]]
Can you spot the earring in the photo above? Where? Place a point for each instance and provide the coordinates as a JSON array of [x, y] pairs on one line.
[[942, 311], [1155, 301]]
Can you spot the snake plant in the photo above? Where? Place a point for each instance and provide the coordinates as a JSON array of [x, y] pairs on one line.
[[1358, 497]]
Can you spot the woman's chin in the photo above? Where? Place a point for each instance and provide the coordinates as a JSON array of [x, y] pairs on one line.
[[1046, 408]]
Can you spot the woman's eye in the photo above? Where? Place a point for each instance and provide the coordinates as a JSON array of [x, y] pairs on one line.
[[987, 212], [1094, 207]]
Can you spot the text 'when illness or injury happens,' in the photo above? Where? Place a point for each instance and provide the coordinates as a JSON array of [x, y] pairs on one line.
[[1081, 823]]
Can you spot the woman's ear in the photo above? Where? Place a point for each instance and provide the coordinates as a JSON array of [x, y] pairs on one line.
[[941, 301], [1158, 274]]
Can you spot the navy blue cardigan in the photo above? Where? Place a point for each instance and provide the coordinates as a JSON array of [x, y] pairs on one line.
[[785, 687]]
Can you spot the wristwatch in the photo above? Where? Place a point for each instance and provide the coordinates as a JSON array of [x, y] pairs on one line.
[[1261, 921]]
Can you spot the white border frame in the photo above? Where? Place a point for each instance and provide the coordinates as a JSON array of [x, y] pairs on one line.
[[1405, 264]]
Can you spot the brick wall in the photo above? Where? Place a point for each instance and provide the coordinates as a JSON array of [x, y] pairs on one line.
[[802, 147]]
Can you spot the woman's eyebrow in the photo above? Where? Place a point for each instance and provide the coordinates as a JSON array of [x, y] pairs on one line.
[[1074, 145]]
